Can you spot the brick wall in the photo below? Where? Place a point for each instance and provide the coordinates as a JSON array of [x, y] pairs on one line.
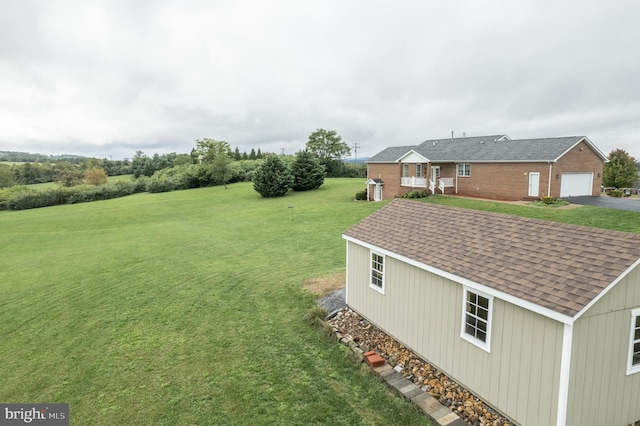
[[390, 173], [500, 181]]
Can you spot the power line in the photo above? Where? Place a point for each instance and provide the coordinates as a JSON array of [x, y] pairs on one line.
[[356, 146]]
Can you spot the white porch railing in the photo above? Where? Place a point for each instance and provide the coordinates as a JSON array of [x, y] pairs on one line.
[[414, 182], [447, 182], [442, 184]]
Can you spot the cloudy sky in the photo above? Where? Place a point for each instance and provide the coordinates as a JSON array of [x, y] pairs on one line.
[[108, 78]]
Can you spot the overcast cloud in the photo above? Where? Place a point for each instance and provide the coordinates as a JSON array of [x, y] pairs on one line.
[[107, 78]]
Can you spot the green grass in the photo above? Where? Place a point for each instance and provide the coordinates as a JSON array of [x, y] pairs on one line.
[[597, 217], [186, 308], [183, 308]]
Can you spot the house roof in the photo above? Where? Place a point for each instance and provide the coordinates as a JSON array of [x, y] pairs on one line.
[[558, 266], [493, 148]]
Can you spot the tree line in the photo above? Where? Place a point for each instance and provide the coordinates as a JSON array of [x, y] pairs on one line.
[[210, 162]]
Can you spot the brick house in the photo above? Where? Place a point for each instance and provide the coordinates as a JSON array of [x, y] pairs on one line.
[[539, 319], [490, 167]]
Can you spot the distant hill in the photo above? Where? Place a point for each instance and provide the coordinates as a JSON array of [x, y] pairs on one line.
[[26, 157], [361, 160]]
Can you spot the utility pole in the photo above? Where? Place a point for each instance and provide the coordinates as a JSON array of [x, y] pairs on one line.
[[282, 151], [356, 146]]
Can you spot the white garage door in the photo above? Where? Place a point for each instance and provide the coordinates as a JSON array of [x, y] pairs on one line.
[[576, 184]]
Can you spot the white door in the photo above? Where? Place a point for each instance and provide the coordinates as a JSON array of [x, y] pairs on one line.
[[534, 184], [435, 173], [576, 184], [377, 192]]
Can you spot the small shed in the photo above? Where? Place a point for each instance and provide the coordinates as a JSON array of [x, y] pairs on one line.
[[539, 319]]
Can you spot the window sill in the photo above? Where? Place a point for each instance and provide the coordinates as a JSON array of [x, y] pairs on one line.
[[479, 343], [633, 370], [376, 288]]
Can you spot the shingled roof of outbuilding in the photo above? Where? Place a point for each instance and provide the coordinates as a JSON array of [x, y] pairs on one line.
[[494, 148], [558, 266]]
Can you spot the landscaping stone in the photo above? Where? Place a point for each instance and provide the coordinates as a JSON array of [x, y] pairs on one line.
[[445, 401]]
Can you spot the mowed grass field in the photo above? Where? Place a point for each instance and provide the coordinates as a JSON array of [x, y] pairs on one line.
[[187, 308], [183, 308]]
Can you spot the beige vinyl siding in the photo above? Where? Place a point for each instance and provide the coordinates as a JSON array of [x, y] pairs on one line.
[[600, 391], [424, 311]]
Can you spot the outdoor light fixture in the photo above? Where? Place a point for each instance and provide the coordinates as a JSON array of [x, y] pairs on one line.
[[598, 174], [557, 176]]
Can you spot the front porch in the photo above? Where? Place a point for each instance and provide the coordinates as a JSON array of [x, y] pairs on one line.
[[418, 182]]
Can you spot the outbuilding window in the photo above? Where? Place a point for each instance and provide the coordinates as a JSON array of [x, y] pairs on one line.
[[464, 170], [634, 347], [476, 318], [377, 272]]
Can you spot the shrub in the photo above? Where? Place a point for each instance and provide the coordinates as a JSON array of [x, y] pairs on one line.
[[7, 194], [160, 184], [361, 196], [418, 193], [547, 199], [616, 193]]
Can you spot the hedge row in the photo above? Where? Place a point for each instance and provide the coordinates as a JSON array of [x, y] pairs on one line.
[[22, 197], [176, 178]]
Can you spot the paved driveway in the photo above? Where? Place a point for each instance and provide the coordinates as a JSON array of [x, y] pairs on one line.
[[630, 204]]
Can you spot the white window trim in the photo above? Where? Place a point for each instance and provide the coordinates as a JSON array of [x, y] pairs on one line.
[[486, 346], [632, 369], [463, 169], [371, 284], [418, 170], [405, 170]]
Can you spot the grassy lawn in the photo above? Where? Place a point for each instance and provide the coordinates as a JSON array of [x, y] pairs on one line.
[[583, 215], [186, 308], [183, 308]]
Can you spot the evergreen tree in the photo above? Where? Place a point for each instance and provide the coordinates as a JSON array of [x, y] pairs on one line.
[[236, 155], [307, 172], [273, 178], [259, 154], [252, 155]]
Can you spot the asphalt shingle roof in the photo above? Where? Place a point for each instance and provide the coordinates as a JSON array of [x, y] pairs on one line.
[[558, 266], [493, 148]]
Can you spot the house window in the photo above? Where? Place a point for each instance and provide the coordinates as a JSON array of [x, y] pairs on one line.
[[634, 347], [418, 170], [377, 272], [464, 169], [476, 318], [405, 170]]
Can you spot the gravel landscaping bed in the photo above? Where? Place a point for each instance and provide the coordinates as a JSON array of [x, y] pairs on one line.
[[368, 337]]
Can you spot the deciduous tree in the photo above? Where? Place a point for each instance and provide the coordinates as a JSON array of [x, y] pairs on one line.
[[329, 147], [620, 171], [208, 149], [221, 169], [95, 176]]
